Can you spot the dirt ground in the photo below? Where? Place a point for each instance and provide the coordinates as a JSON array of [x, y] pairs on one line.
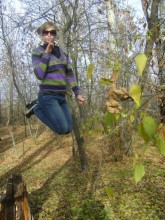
[[58, 189]]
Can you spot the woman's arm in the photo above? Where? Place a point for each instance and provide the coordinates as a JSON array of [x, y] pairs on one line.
[[40, 62]]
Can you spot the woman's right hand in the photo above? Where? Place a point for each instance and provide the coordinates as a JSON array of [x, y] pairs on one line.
[[49, 47]]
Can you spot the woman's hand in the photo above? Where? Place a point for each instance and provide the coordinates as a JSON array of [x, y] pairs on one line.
[[49, 47], [80, 99]]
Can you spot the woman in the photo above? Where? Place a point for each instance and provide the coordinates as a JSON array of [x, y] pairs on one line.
[[53, 68]]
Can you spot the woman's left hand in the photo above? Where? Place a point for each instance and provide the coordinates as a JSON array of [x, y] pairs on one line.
[[80, 99]]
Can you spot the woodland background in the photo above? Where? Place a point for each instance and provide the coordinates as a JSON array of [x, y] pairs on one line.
[[118, 58]]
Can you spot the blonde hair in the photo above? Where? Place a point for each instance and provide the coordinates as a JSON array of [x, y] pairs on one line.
[[45, 26]]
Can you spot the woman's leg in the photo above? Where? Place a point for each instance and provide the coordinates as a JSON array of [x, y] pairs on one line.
[[67, 113], [53, 111]]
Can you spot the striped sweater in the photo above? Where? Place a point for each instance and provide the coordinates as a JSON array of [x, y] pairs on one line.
[[53, 70]]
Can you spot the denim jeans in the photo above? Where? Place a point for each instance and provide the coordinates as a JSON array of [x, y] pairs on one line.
[[53, 110]]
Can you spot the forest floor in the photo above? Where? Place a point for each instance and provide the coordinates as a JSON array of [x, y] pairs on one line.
[[59, 190]]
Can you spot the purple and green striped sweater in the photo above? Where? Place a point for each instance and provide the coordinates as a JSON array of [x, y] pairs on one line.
[[54, 70]]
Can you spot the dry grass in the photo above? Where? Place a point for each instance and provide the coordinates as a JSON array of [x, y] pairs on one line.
[[59, 190]]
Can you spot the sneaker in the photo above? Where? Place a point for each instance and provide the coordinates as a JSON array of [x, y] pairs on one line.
[[30, 108]]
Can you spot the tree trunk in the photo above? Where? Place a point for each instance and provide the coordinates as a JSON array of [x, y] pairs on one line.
[[15, 205], [152, 21], [111, 20], [80, 143], [123, 139], [161, 57], [79, 139], [0, 110], [156, 26]]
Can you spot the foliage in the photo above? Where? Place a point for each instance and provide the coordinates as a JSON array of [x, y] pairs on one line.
[[105, 81], [139, 172], [110, 119], [148, 127], [160, 143], [135, 93], [90, 70]]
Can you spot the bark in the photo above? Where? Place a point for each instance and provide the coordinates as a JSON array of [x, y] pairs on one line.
[[0, 109], [80, 143], [160, 48], [152, 27], [15, 204], [156, 26], [67, 25], [123, 140], [111, 24]]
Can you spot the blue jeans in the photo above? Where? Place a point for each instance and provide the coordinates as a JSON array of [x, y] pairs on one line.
[[53, 110]]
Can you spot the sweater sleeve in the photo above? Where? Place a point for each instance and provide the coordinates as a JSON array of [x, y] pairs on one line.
[[40, 62]]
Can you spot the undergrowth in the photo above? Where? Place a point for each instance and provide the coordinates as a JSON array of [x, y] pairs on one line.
[[59, 190]]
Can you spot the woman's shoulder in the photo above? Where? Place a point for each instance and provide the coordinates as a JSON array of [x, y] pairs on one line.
[[38, 49]]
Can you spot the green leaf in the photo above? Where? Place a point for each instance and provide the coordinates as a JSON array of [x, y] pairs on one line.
[[160, 143], [109, 118], [150, 126], [162, 87], [132, 118], [147, 128], [117, 65], [130, 46], [137, 37], [105, 81], [135, 159], [109, 192], [148, 37], [141, 61], [90, 132], [124, 115], [139, 172], [143, 133], [135, 93], [90, 70]]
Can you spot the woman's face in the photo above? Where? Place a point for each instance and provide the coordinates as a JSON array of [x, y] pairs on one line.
[[48, 35]]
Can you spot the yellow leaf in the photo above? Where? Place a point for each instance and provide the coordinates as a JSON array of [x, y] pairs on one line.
[[132, 118], [139, 172], [105, 81], [135, 93], [141, 61]]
